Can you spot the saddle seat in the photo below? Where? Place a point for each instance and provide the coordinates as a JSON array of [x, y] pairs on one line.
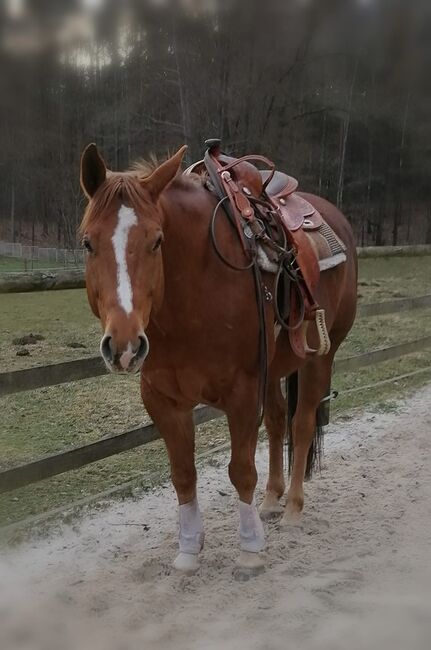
[[281, 184], [296, 211]]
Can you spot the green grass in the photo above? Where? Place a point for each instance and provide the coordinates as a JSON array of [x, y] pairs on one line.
[[387, 278], [62, 317], [52, 419]]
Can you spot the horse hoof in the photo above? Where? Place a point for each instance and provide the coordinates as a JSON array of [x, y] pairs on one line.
[[270, 507], [186, 563], [270, 513], [291, 519], [248, 566]]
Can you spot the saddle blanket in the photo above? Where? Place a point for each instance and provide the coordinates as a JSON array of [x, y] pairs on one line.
[[330, 250]]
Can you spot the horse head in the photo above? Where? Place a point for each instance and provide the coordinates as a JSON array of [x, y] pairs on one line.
[[122, 230]]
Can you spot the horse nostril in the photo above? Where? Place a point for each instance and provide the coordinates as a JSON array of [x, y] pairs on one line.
[[143, 347], [106, 348]]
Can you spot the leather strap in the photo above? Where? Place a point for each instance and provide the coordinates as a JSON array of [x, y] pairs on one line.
[[254, 158], [295, 333], [241, 201]]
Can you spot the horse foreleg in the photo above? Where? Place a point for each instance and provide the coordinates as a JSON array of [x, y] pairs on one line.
[[177, 429], [314, 378], [242, 418], [275, 423]]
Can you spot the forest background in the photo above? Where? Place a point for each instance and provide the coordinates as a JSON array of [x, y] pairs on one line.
[[337, 93]]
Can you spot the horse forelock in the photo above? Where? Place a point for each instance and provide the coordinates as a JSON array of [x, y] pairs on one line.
[[115, 190], [127, 187]]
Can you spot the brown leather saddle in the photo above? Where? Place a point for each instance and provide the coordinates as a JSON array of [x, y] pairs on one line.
[[265, 202], [296, 212]]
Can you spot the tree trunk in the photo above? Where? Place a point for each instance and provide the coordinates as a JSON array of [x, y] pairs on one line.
[[340, 185], [12, 211], [182, 93], [428, 230], [399, 193]]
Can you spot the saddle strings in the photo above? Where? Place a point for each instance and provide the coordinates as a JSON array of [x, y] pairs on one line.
[[286, 258]]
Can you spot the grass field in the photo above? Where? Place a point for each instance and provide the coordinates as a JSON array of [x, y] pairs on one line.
[[51, 419]]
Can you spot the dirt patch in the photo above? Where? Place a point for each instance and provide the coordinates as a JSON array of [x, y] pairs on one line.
[[28, 339], [356, 574], [76, 345]]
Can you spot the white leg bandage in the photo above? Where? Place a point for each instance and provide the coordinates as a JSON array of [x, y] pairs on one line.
[[251, 531], [191, 528]]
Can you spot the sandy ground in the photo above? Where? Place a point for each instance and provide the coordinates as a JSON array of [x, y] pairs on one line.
[[356, 574]]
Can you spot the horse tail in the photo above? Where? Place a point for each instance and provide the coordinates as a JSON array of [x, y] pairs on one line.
[[292, 401], [316, 448]]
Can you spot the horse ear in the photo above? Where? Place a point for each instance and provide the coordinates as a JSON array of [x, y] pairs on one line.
[[164, 174], [93, 170]]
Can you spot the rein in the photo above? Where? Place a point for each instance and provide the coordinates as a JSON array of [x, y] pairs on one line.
[[222, 203]]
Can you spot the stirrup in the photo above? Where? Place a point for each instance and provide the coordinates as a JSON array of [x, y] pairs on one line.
[[324, 340]]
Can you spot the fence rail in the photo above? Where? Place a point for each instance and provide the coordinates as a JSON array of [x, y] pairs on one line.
[[17, 381], [77, 457], [27, 281], [393, 306], [394, 251]]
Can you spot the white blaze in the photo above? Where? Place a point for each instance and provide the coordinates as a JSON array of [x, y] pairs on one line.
[[126, 357], [126, 219]]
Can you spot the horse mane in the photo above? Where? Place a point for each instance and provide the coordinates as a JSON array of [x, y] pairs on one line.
[[144, 167], [127, 186]]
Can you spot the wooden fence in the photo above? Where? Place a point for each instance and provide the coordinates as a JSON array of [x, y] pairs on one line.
[[20, 282], [33, 378]]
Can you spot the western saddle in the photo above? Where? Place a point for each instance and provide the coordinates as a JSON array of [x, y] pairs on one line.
[[272, 219]]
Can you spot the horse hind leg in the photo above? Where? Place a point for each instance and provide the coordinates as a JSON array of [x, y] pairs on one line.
[[275, 423], [313, 380]]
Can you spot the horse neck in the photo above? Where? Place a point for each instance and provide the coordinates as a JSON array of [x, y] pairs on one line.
[[186, 230]]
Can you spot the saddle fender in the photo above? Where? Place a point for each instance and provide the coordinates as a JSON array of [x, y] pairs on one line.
[[308, 263]]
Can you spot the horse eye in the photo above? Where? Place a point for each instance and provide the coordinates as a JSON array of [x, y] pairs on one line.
[[87, 245], [157, 243]]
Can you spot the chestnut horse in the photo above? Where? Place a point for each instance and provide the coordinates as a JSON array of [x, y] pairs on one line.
[[164, 297]]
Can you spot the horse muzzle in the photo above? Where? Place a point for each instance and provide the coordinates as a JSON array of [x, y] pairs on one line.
[[125, 359]]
